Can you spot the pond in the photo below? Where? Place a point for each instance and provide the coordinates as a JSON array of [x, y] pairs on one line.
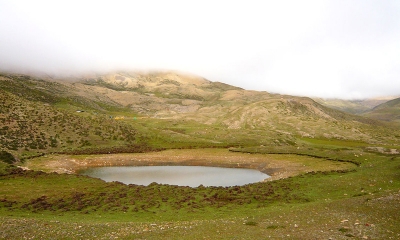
[[191, 176]]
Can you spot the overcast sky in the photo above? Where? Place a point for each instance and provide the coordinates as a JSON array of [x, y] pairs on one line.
[[340, 48]]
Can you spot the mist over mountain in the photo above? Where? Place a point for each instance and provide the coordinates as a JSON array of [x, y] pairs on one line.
[[327, 49]]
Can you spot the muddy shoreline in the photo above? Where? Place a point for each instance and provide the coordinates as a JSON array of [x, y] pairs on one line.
[[276, 167]]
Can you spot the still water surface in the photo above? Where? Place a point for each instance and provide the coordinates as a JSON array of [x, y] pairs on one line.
[[191, 176]]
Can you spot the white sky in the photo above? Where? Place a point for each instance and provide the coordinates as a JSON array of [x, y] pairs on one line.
[[340, 48]]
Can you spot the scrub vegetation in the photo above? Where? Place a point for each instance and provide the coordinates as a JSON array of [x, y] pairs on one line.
[[334, 175]]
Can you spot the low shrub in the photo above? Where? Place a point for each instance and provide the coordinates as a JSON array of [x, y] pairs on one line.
[[7, 157]]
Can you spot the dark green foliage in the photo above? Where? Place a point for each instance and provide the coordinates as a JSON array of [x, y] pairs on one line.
[[250, 223], [7, 157], [273, 227]]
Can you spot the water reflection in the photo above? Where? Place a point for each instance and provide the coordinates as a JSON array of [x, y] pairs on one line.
[[191, 176]]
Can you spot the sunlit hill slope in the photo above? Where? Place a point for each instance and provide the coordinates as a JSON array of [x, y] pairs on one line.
[[162, 109], [388, 111]]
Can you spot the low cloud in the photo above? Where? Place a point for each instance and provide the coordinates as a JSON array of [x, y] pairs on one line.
[[345, 49]]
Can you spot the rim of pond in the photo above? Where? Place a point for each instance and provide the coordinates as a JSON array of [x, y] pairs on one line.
[[192, 176]]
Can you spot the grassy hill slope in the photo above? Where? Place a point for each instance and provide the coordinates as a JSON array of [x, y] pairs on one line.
[[353, 106], [177, 97], [32, 121], [163, 110], [388, 111]]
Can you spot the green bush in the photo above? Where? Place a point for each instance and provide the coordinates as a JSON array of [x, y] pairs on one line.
[[7, 157]]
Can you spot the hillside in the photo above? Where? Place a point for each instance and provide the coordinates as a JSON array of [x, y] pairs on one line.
[[388, 111], [334, 175], [31, 122], [162, 110], [353, 106], [180, 97]]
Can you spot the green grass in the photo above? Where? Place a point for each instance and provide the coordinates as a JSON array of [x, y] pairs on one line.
[[300, 206], [38, 117], [333, 143]]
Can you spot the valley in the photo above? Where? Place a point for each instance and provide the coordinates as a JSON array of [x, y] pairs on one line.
[[334, 174]]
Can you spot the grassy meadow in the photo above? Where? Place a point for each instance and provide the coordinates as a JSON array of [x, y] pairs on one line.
[[361, 201]]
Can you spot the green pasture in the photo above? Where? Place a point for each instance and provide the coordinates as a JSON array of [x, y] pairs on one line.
[[362, 201]]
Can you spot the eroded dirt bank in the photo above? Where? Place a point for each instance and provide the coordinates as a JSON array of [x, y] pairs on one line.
[[277, 166]]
